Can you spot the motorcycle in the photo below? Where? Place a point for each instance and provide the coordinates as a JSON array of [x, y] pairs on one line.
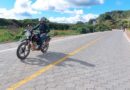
[[29, 43]]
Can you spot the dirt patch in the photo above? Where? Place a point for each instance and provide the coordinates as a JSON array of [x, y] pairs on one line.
[[128, 33]]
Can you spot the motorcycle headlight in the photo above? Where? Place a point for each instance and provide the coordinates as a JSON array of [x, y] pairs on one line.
[[28, 33]]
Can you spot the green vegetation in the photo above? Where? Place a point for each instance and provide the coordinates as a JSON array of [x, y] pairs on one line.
[[5, 35], [11, 29], [115, 19], [8, 36]]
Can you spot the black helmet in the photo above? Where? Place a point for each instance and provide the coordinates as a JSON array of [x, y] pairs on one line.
[[43, 19]]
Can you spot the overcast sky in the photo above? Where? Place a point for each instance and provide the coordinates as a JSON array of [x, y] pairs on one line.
[[64, 11]]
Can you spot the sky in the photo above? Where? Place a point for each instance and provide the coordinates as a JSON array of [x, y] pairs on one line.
[[62, 11]]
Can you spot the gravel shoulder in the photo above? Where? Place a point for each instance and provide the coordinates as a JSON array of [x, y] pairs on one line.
[[128, 33]]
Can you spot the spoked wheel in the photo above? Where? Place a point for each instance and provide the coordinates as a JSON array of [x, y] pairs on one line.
[[44, 48], [23, 50]]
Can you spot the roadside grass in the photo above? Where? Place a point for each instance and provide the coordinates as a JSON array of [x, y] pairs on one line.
[[9, 35], [6, 35], [128, 33], [54, 33], [13, 35]]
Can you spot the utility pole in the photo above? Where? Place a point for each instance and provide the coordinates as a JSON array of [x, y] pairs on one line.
[[129, 23], [94, 23]]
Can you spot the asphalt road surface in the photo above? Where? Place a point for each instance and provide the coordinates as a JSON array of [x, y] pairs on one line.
[[98, 61]]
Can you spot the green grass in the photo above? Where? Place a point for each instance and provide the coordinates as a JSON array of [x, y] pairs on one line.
[[10, 35], [5, 35]]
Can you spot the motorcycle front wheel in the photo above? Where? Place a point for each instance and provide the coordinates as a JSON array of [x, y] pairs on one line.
[[23, 50]]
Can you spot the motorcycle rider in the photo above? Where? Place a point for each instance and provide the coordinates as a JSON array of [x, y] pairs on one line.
[[44, 30]]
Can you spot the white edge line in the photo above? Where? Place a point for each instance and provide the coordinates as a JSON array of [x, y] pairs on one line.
[[7, 50], [126, 37]]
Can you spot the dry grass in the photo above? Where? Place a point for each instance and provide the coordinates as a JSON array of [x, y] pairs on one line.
[[63, 32]]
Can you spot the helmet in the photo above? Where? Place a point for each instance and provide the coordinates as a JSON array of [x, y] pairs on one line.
[[42, 19]]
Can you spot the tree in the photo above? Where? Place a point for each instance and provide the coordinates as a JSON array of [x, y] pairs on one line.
[[125, 24], [101, 27]]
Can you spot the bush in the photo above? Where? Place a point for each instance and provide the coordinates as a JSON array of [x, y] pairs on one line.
[[83, 30], [55, 33], [101, 27]]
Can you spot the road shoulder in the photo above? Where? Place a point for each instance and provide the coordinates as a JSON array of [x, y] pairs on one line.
[[127, 35]]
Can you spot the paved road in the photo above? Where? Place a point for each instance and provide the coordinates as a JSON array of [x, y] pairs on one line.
[[99, 61]]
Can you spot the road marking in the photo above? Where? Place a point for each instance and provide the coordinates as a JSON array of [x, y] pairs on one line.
[[126, 36], [50, 66], [8, 50]]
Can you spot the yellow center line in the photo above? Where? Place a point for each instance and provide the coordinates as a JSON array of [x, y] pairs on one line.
[[50, 66]]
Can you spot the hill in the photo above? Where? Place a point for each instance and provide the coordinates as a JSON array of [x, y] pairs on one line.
[[115, 19]]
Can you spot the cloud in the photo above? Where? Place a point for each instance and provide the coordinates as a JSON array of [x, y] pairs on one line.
[[73, 12], [26, 9], [65, 6], [62, 5], [75, 19], [4, 13], [51, 5], [22, 6], [22, 9], [86, 2], [89, 16], [10, 14]]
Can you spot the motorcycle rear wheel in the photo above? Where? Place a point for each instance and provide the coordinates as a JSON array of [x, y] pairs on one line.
[[44, 48]]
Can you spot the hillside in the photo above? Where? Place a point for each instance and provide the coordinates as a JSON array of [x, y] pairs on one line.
[[115, 19], [116, 15]]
